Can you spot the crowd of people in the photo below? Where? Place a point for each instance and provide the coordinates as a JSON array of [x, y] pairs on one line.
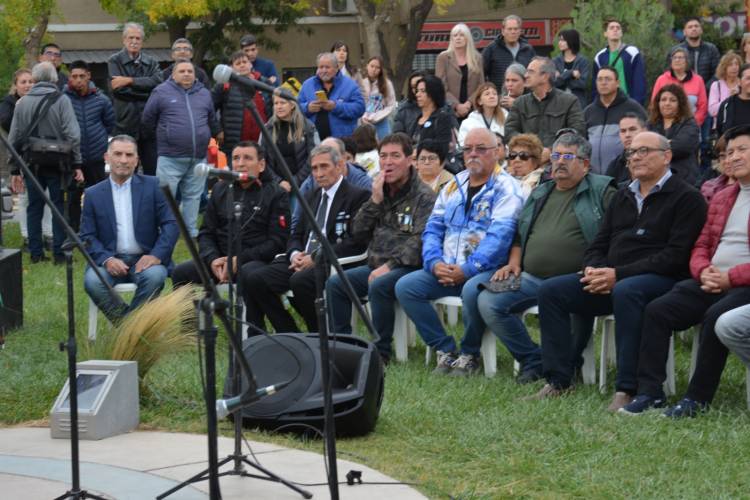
[[498, 179]]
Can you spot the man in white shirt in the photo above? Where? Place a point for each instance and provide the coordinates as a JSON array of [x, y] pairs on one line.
[[129, 229]]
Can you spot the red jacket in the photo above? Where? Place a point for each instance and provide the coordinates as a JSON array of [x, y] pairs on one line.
[[694, 88], [705, 247]]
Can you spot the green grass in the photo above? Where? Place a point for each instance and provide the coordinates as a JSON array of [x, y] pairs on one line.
[[463, 438]]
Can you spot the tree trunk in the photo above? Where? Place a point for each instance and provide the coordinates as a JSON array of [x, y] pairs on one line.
[[177, 27], [417, 17], [32, 41], [208, 33]]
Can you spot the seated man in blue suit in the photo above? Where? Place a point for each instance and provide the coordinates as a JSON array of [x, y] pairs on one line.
[[129, 229]]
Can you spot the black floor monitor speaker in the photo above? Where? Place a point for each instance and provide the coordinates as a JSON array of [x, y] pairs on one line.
[[11, 290], [357, 383]]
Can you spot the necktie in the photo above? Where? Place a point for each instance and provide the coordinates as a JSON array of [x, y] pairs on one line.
[[312, 242]]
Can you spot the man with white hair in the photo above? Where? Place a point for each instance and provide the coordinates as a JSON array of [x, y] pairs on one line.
[[133, 75], [54, 118], [331, 99]]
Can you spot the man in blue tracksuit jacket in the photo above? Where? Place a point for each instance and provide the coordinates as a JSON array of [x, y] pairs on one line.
[[182, 112], [467, 236], [337, 114]]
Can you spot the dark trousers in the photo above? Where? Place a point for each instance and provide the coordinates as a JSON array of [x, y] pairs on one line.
[[185, 273], [685, 306], [54, 183], [147, 154], [561, 296], [93, 173], [264, 283]]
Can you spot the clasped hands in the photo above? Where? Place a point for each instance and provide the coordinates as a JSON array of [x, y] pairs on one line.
[[599, 280], [449, 274]]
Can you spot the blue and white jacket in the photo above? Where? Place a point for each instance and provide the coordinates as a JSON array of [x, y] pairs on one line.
[[478, 239], [635, 72]]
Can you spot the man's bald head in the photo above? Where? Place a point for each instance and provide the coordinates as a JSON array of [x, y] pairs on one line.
[[334, 142], [649, 157], [483, 135]]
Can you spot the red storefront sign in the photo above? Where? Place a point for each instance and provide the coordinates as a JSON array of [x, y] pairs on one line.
[[435, 36]]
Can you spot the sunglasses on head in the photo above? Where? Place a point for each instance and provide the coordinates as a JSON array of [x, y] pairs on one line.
[[522, 155]]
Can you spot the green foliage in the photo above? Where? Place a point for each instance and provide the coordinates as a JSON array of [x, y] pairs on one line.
[[646, 24]]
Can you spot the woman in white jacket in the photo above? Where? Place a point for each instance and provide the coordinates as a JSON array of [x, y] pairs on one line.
[[487, 112], [380, 98]]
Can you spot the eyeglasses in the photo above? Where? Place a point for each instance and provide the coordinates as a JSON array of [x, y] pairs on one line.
[[182, 49], [521, 155], [428, 158], [563, 156], [640, 152], [480, 150], [52, 53]]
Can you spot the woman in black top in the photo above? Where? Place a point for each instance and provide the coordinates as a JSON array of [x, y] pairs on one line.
[[435, 121], [22, 83], [295, 137], [670, 116], [572, 68]]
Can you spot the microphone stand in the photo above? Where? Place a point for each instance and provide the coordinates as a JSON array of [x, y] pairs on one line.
[[328, 256], [72, 242], [210, 304]]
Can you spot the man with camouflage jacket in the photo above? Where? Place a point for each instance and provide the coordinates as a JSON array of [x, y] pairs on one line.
[[392, 221]]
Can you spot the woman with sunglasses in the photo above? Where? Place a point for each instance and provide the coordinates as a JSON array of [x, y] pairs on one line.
[[524, 161], [487, 112], [670, 115]]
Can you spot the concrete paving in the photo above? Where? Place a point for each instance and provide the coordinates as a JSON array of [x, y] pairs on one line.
[[141, 465]]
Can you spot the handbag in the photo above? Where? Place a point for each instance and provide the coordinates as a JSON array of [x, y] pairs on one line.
[[44, 152]]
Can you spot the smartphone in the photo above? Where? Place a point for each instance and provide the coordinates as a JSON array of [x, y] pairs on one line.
[[321, 95]]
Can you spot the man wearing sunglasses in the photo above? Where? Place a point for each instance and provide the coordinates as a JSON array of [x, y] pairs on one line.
[[641, 250], [467, 236], [51, 52], [565, 215]]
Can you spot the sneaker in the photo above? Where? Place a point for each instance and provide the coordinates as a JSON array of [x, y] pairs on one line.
[[529, 376], [465, 365], [620, 400], [445, 361], [686, 407], [641, 403], [547, 392]]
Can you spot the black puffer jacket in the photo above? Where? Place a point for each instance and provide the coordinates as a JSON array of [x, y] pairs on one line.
[[497, 57], [407, 114], [301, 170], [684, 140], [230, 101]]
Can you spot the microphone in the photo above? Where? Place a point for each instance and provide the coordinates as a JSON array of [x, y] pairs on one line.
[[225, 74], [203, 170], [226, 406]]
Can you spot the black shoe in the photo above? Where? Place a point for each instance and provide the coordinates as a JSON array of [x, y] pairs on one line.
[[642, 403], [686, 407], [39, 258], [59, 260], [529, 376]]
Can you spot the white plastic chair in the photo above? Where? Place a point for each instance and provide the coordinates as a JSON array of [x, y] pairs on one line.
[[94, 311], [589, 359]]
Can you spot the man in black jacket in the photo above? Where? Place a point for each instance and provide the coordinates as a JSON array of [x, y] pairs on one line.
[[509, 47], [335, 203], [641, 250], [133, 75], [262, 227]]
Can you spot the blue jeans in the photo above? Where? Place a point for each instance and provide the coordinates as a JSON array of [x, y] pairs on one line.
[[380, 294], [149, 282], [416, 290], [382, 128], [35, 211], [179, 173], [561, 296]]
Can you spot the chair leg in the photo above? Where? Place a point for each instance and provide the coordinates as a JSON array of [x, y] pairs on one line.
[[401, 334], [669, 384], [489, 354], [452, 313], [694, 351], [93, 318], [589, 363], [607, 328]]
